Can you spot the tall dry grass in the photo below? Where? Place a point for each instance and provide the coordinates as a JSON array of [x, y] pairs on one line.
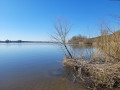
[[109, 44]]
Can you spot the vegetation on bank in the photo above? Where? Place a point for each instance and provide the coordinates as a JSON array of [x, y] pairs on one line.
[[102, 70], [95, 76], [92, 41]]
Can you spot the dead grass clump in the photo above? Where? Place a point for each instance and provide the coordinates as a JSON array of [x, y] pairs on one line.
[[104, 75], [109, 44], [96, 75]]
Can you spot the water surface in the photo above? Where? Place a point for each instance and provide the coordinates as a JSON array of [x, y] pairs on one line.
[[31, 66]]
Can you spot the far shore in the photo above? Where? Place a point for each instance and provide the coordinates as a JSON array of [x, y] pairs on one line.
[[27, 42]]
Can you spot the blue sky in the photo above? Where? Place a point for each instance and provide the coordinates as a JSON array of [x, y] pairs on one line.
[[34, 19]]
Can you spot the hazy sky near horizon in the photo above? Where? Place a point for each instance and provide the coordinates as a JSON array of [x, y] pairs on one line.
[[34, 19]]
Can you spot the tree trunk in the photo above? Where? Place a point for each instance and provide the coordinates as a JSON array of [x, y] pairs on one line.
[[68, 51]]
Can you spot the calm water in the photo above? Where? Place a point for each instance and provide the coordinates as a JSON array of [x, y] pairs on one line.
[[35, 67]]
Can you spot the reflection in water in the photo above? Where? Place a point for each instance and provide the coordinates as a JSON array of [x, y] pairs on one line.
[[70, 74], [84, 52], [80, 47], [65, 72]]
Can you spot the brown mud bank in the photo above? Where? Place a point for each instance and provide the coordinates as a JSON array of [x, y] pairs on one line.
[[96, 76]]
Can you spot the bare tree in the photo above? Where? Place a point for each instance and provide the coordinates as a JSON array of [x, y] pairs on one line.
[[61, 32]]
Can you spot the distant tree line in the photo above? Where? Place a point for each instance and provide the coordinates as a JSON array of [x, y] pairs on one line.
[[80, 40], [8, 41], [77, 39]]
